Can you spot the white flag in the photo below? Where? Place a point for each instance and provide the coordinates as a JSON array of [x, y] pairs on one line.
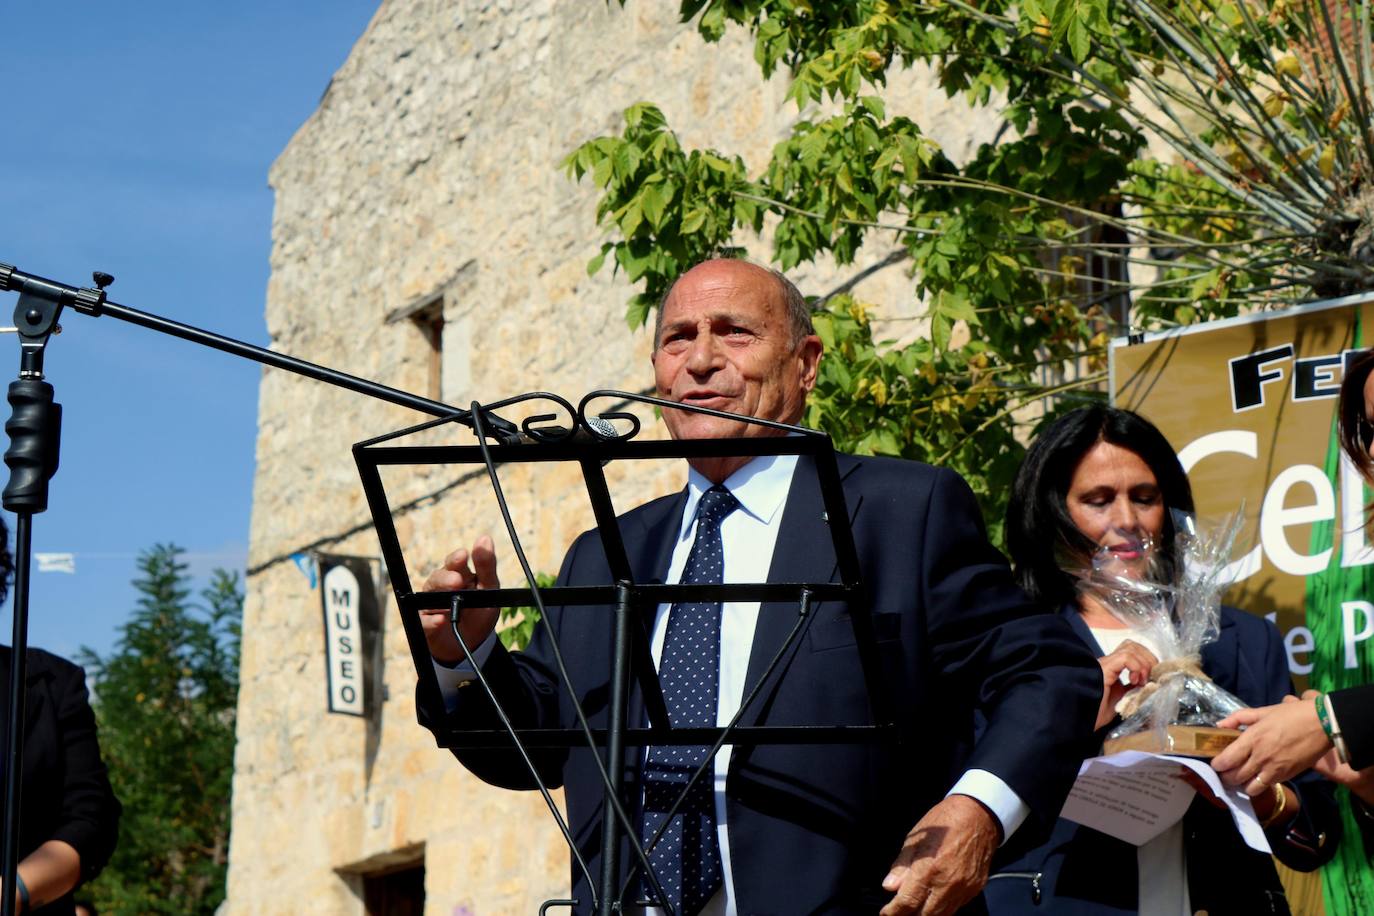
[[56, 562]]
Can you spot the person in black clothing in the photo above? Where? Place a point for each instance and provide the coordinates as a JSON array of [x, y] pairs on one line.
[[69, 816]]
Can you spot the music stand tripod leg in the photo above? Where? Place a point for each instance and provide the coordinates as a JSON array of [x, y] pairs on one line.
[[615, 753]]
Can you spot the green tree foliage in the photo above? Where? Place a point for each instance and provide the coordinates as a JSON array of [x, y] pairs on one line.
[[1263, 112], [165, 700], [517, 623]]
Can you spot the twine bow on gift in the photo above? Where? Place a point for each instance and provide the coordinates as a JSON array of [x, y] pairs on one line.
[[1160, 675]]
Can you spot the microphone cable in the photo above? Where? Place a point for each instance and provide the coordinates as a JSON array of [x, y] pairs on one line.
[[630, 830]]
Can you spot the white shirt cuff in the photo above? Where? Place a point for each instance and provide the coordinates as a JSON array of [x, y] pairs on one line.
[[450, 679], [996, 796]]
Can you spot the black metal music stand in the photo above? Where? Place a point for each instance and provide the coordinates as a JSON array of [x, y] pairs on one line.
[[590, 446]]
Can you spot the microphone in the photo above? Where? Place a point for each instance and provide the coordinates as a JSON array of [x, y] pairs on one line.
[[601, 430]]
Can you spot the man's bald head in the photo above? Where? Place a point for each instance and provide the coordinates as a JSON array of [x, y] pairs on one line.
[[797, 308]]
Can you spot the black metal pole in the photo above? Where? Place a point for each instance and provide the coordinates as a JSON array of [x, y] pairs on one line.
[[34, 428], [615, 754], [14, 761], [289, 363], [93, 302]]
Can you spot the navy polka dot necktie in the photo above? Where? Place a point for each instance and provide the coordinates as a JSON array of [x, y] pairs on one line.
[[687, 856]]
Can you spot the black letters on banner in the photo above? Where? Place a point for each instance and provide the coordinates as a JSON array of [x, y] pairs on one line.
[[352, 622]]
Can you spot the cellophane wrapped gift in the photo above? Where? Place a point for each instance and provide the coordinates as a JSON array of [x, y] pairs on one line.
[[1175, 602]]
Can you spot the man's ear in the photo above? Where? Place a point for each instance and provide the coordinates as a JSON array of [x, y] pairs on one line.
[[809, 351]]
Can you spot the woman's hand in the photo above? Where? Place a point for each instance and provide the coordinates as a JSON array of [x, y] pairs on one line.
[[1265, 805], [1278, 743], [1125, 669]]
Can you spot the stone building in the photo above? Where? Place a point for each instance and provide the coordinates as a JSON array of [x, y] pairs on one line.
[[424, 237]]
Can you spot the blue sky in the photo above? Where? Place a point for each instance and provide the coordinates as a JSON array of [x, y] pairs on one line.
[[137, 141]]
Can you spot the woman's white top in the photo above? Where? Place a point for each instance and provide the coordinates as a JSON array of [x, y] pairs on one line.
[[1160, 864]]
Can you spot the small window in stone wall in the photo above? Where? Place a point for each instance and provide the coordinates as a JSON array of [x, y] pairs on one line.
[[426, 316], [398, 891], [430, 321]]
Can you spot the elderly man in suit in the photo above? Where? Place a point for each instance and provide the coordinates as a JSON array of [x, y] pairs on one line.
[[795, 828]]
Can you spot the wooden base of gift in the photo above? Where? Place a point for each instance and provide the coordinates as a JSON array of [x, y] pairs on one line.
[[1185, 740]]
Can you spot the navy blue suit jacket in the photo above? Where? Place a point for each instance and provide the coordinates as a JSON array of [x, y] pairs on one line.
[[815, 828], [1082, 871]]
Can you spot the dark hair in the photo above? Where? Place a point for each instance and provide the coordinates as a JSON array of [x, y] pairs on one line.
[[1040, 534], [798, 309], [1353, 427]]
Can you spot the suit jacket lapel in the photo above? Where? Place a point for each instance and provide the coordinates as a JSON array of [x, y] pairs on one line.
[[650, 538], [1085, 633], [803, 552], [649, 541]]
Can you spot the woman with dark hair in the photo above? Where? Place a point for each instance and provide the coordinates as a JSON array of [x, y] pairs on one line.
[[69, 816], [1104, 482], [1333, 732]]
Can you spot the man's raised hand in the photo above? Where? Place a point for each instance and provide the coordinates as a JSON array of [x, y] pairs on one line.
[[462, 569]]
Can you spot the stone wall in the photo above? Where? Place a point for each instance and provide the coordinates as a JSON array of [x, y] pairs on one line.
[[429, 171]]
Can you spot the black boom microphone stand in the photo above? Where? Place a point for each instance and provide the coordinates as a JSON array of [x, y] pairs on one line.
[[34, 428]]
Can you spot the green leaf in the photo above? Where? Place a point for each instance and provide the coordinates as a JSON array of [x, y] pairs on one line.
[[694, 220], [844, 179], [1203, 285], [940, 329], [646, 115], [601, 174], [825, 328], [712, 24], [851, 80], [631, 219], [637, 312], [716, 163], [867, 137], [626, 161], [812, 148], [953, 305], [595, 263], [653, 201], [1080, 42], [747, 213]]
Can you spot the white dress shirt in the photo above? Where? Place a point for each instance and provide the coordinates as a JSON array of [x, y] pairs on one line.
[[748, 536]]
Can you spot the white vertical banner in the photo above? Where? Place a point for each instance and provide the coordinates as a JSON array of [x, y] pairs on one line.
[[350, 622]]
